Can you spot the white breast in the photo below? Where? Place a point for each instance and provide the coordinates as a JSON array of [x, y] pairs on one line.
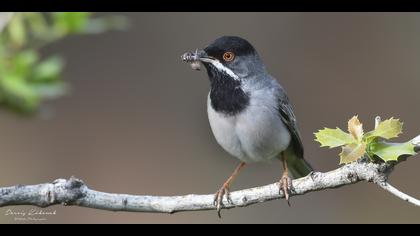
[[255, 134]]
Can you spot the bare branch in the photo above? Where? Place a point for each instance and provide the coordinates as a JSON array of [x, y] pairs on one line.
[[399, 194], [75, 192]]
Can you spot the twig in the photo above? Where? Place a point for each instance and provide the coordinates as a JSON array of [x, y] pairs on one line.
[[75, 192], [399, 194]]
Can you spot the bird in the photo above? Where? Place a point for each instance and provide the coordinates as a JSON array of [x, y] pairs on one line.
[[249, 112]]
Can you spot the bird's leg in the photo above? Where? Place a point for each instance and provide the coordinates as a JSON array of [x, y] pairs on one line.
[[224, 190], [285, 181]]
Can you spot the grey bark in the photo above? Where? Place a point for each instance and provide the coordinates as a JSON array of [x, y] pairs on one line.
[[75, 192]]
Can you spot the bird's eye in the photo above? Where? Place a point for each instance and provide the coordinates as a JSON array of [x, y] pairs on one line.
[[228, 56]]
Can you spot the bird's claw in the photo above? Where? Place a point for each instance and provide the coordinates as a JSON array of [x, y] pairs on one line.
[[218, 198], [285, 186]]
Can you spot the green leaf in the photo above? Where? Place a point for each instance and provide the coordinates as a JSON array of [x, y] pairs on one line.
[[48, 70], [23, 63], [333, 137], [387, 129], [391, 151], [18, 94], [352, 152], [70, 22], [17, 30], [37, 24]]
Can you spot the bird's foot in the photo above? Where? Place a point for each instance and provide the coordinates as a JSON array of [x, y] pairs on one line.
[[285, 186], [218, 198]]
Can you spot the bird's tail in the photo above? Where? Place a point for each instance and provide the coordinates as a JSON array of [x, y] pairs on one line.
[[297, 165]]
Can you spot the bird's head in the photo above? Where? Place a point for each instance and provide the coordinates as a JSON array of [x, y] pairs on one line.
[[228, 56]]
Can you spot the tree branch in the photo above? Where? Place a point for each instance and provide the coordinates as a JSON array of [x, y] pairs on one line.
[[386, 186], [75, 192]]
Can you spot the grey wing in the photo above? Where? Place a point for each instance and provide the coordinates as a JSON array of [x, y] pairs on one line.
[[289, 119]]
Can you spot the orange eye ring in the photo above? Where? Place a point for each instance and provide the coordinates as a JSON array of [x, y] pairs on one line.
[[228, 56]]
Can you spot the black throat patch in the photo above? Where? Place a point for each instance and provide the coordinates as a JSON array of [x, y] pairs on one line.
[[226, 95]]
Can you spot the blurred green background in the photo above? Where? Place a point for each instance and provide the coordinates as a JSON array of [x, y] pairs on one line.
[[134, 120]]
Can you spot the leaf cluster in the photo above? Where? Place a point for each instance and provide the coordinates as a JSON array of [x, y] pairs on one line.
[[356, 143], [26, 77]]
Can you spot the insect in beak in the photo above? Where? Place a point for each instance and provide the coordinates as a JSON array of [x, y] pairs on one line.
[[194, 58]]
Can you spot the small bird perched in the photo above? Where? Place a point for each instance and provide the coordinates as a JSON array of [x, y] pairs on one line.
[[249, 112]]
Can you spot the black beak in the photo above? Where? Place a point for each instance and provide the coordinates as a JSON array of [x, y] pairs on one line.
[[201, 54]]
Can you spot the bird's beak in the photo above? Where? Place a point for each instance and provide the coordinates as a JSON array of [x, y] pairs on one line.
[[204, 57], [194, 58], [197, 55], [201, 54]]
